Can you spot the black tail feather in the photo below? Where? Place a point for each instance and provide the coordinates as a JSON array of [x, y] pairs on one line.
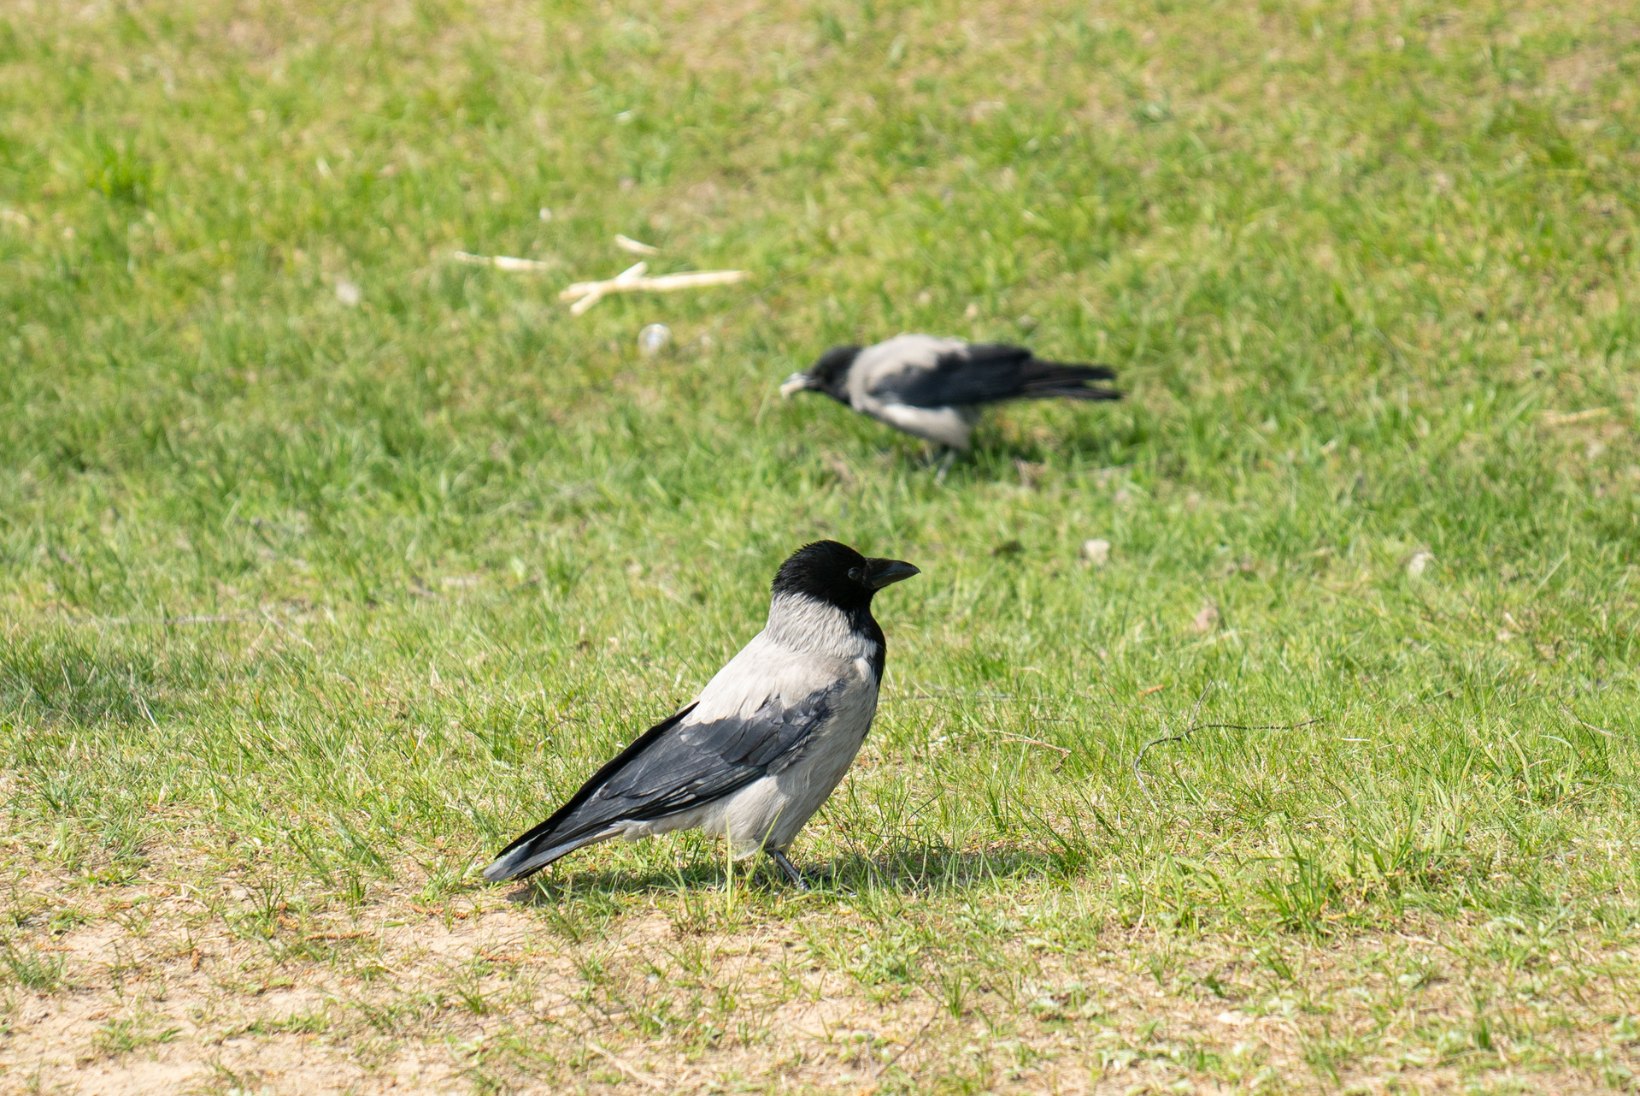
[[514, 862], [1063, 380]]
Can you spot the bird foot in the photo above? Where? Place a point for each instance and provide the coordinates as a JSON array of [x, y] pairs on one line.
[[793, 876]]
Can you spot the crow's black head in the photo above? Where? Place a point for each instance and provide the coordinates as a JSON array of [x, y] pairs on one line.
[[828, 375], [838, 575]]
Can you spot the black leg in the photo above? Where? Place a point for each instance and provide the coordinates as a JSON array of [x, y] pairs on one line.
[[795, 876]]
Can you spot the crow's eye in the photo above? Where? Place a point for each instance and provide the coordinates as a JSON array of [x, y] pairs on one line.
[[856, 573]]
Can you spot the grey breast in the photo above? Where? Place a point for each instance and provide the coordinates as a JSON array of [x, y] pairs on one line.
[[882, 374]]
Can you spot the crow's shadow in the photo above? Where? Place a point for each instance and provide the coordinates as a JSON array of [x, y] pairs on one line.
[[1000, 453], [909, 868]]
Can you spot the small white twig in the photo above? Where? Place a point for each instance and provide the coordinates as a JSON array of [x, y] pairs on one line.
[[581, 289], [636, 247], [593, 292], [632, 280], [504, 262]]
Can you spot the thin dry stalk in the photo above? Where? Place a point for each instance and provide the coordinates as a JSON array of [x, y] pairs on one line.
[[1138, 772]]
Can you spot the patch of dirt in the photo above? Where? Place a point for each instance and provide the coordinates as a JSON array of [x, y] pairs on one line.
[[175, 986]]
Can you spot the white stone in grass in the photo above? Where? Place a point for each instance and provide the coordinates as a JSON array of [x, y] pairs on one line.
[[1419, 563], [653, 339], [1096, 551], [348, 292]]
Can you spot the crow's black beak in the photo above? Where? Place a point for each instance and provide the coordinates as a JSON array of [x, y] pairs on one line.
[[886, 572]]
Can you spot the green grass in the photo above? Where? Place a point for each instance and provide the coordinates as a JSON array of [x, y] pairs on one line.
[[306, 607]]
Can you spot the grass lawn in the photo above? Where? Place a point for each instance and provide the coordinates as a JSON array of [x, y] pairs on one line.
[[328, 564]]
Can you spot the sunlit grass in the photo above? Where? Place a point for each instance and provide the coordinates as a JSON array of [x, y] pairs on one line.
[[307, 604]]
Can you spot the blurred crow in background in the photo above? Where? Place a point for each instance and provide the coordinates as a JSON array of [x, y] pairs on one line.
[[934, 388]]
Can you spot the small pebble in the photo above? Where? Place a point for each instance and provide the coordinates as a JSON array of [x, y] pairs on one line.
[[1419, 562], [1096, 551], [653, 339]]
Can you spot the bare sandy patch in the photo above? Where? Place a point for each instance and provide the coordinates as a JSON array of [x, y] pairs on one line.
[[163, 987]]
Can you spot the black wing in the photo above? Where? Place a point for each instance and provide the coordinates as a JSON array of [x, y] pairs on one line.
[[675, 767], [989, 373]]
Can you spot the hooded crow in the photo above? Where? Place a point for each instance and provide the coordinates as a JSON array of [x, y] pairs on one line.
[[763, 745], [934, 388]]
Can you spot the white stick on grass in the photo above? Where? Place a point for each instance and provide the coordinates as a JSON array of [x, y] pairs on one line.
[[636, 247], [587, 294], [504, 262], [590, 293]]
